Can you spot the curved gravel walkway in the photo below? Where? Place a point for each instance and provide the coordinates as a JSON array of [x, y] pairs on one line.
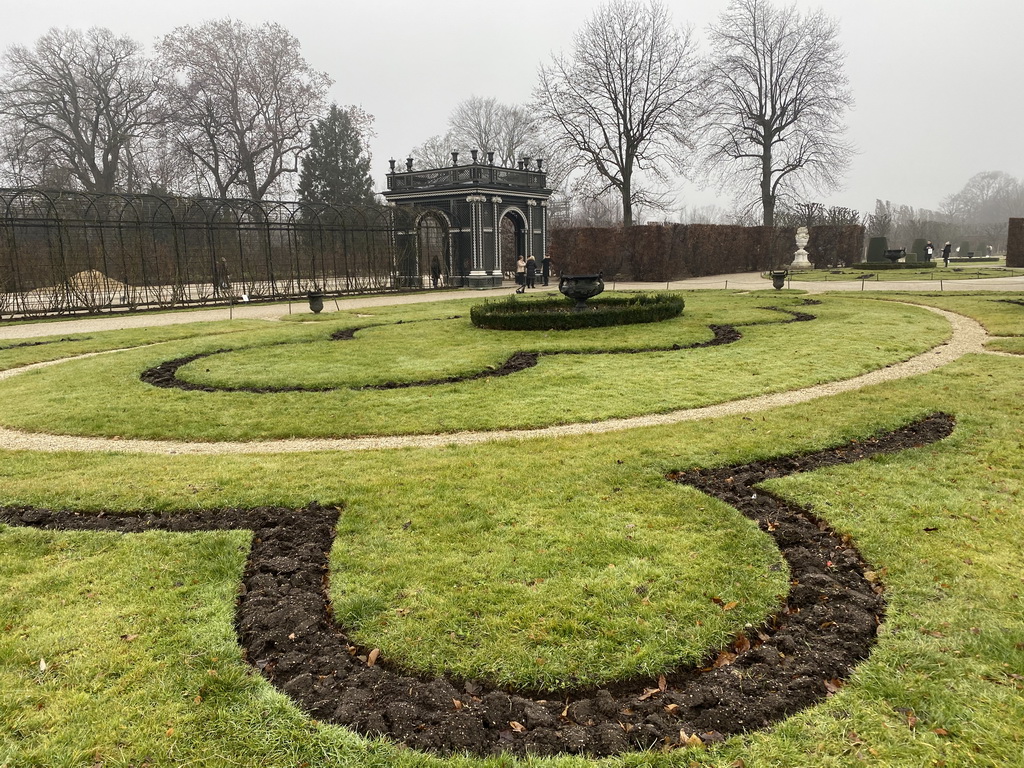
[[968, 337]]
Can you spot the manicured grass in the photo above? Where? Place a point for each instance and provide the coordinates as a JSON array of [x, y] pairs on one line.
[[963, 272], [944, 524], [104, 396], [15, 353]]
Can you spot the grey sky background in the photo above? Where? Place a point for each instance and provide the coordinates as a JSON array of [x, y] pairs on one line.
[[937, 83]]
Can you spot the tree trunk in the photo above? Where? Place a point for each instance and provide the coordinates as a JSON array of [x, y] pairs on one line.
[[767, 198], [627, 203]]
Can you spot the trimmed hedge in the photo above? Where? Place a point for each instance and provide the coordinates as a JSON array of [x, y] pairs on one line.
[[1015, 243], [663, 252], [877, 246], [876, 265], [514, 314]]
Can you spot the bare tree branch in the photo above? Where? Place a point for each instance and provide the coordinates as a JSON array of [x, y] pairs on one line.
[[624, 102], [241, 100], [82, 105], [775, 102]]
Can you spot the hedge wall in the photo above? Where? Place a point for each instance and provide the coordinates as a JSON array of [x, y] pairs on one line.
[[1015, 244], [662, 252]]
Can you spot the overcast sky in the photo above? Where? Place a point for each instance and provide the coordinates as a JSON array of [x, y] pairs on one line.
[[937, 83]]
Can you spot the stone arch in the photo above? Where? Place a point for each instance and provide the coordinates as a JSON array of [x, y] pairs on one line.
[[433, 248], [512, 238]]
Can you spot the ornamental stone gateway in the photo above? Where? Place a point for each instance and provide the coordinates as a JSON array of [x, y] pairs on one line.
[[493, 214]]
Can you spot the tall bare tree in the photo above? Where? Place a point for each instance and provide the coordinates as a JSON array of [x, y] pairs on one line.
[[989, 196], [776, 98], [624, 101], [81, 104], [508, 130], [241, 99]]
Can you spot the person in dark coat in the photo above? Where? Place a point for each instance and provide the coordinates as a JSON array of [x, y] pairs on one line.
[[531, 272], [945, 253], [545, 269]]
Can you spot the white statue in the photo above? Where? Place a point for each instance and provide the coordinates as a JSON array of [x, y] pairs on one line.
[[800, 257]]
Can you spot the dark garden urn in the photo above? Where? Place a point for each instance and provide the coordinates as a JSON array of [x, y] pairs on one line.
[[580, 288], [316, 301], [779, 278]]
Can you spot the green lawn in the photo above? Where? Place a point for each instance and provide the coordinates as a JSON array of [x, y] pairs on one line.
[[510, 543], [104, 396], [965, 271]]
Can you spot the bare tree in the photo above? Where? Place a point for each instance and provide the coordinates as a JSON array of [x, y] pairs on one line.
[[508, 130], [241, 101], [990, 196], [879, 223], [81, 104], [776, 99], [435, 152], [624, 101]]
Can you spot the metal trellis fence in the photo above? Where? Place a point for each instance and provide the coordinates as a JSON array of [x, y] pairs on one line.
[[69, 252]]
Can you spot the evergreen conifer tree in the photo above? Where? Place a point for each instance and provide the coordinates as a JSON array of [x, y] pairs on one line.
[[336, 168]]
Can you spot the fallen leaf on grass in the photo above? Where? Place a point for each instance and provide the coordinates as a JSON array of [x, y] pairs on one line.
[[129, 638], [741, 644], [517, 727], [42, 665], [372, 658]]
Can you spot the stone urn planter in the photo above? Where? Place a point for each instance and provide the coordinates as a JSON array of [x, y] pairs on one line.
[[779, 278], [316, 301], [580, 288]]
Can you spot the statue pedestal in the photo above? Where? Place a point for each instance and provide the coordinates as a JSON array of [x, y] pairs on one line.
[[800, 261], [800, 257]]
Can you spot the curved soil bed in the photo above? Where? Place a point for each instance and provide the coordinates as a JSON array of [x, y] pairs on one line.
[[165, 374], [43, 343], [800, 655]]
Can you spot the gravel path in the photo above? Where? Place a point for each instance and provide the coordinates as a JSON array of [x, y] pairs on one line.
[[968, 337], [746, 281]]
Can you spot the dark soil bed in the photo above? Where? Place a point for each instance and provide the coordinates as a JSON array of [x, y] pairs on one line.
[[799, 656]]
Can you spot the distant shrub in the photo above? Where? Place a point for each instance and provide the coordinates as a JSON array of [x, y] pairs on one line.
[[877, 246]]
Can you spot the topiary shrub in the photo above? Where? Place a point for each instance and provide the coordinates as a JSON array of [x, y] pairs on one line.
[[916, 252], [877, 246], [516, 314]]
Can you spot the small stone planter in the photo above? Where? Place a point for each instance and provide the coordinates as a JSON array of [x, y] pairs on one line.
[[779, 278], [316, 301]]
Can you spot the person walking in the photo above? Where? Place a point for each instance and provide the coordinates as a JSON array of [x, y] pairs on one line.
[[545, 269], [531, 272], [928, 251], [521, 274], [945, 253]]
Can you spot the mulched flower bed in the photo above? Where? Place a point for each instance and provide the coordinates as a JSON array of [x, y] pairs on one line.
[[801, 654]]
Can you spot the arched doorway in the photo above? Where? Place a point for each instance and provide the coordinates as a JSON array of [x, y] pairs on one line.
[[432, 249], [511, 241]]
